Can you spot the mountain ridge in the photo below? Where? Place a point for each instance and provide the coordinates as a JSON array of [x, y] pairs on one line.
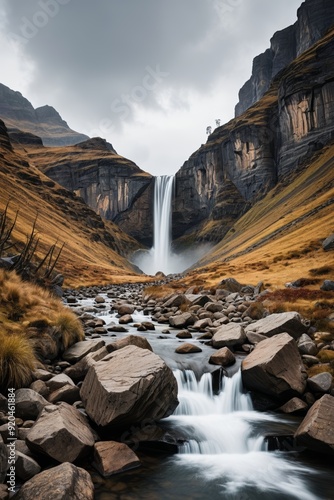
[[45, 122]]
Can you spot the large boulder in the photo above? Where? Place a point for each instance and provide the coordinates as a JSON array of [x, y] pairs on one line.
[[62, 433], [230, 335], [287, 322], [128, 386], [275, 368], [65, 482], [316, 431]]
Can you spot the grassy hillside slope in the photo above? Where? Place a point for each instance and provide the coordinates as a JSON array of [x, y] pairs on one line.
[[280, 238], [93, 247]]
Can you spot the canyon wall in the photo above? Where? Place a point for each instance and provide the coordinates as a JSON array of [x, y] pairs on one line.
[[247, 157], [315, 17], [109, 183]]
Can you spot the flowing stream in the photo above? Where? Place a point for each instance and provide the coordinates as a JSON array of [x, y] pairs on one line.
[[225, 443], [223, 447]]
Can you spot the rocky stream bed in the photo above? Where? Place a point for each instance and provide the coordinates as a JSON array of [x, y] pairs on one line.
[[188, 396]]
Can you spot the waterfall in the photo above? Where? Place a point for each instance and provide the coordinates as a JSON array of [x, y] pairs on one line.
[[161, 251], [224, 443], [160, 257]]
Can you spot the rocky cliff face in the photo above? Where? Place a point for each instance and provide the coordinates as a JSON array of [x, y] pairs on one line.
[[18, 113], [245, 158], [315, 17], [107, 182]]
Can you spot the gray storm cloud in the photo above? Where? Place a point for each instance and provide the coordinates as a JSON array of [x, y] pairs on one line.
[[103, 63]]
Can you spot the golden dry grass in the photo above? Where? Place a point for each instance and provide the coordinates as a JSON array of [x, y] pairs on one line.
[[17, 360], [41, 325], [62, 219], [280, 239]]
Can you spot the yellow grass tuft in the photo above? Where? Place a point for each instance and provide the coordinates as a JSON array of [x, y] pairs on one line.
[[17, 361], [67, 328]]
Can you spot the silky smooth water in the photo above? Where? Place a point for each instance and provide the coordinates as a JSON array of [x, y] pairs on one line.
[[161, 257], [223, 452], [224, 442]]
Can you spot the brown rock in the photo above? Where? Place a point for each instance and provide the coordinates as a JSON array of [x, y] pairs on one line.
[[62, 433], [201, 324], [294, 405], [223, 357], [187, 348], [59, 381], [28, 404], [40, 387], [128, 386], [79, 370], [320, 383], [184, 334], [182, 320], [124, 309], [316, 431], [230, 335], [176, 301], [287, 322], [135, 340], [125, 319], [111, 458], [26, 467], [275, 367], [68, 393], [214, 307], [65, 482], [81, 349]]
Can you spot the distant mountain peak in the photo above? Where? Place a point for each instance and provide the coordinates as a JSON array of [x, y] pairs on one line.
[[45, 122], [48, 113]]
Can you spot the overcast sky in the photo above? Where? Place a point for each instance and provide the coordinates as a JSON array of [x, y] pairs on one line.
[[147, 75]]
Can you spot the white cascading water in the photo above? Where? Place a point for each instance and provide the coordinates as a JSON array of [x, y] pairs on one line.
[[222, 443], [163, 193], [160, 257]]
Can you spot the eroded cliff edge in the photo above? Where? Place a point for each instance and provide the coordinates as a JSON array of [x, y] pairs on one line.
[[248, 156], [314, 19], [113, 186]]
